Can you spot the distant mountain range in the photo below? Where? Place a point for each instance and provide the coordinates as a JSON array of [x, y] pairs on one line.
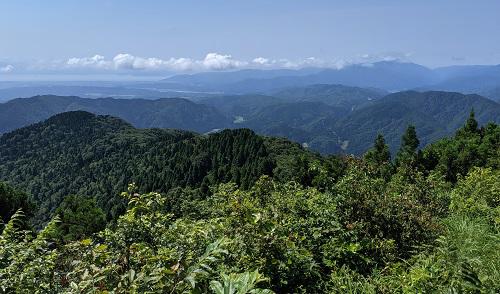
[[130, 91], [325, 118], [389, 76]]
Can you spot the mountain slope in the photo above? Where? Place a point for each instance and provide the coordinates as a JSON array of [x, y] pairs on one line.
[[162, 113], [295, 120], [435, 114], [98, 156], [333, 95], [241, 105]]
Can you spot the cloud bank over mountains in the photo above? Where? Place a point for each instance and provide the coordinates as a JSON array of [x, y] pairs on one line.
[[212, 62], [128, 63]]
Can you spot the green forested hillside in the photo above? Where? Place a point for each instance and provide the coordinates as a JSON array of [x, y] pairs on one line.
[[98, 156], [435, 114], [330, 129], [426, 222]]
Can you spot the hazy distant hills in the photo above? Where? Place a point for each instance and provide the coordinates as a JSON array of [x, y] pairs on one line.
[[85, 91], [162, 113], [385, 75], [325, 118], [480, 79], [389, 76], [214, 79], [493, 93]]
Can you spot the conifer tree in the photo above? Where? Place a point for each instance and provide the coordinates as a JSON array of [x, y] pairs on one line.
[[409, 143], [379, 153], [379, 158], [471, 125]]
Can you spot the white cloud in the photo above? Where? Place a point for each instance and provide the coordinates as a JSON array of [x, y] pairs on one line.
[[94, 61], [182, 64], [6, 69], [216, 61], [261, 61], [125, 61], [388, 56], [211, 62], [312, 62]]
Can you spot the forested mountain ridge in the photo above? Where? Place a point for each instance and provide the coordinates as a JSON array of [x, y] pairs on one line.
[[98, 156], [161, 113], [435, 114], [329, 129], [325, 118]]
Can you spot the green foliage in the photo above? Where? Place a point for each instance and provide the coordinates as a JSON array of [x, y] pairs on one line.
[[12, 200], [52, 231], [456, 156], [388, 219], [13, 229], [239, 284], [466, 259], [79, 217], [478, 195]]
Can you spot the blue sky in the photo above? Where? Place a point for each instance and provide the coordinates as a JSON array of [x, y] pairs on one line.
[[86, 36]]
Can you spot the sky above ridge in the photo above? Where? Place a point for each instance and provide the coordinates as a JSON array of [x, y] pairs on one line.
[[160, 37]]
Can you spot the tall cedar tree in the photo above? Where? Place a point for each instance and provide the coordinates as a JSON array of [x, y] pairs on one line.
[[471, 125], [380, 153], [409, 143], [379, 158]]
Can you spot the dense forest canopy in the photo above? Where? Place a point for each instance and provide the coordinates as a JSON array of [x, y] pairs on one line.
[[234, 212], [98, 156]]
